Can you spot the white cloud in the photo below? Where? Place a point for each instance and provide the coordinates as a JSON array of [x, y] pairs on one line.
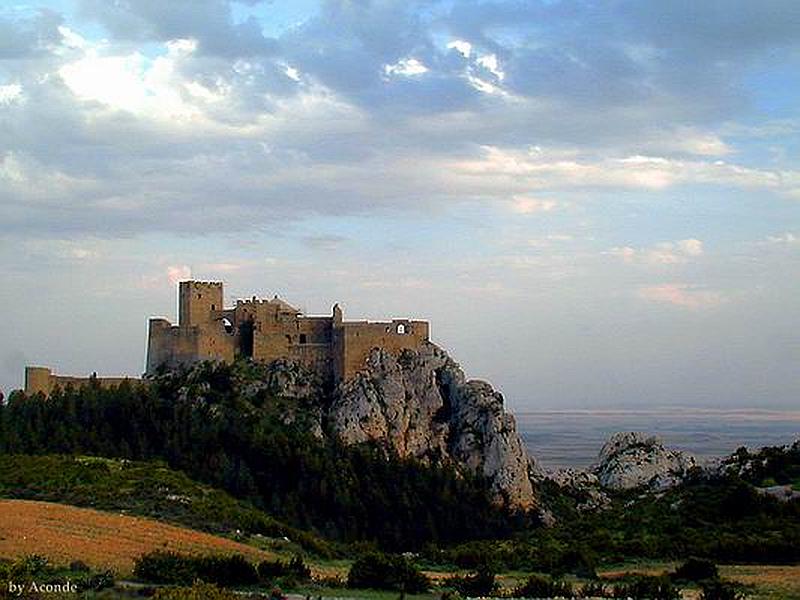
[[526, 205], [546, 169], [682, 295], [176, 273], [690, 247], [134, 83], [663, 253], [407, 67], [784, 239], [463, 47], [10, 93]]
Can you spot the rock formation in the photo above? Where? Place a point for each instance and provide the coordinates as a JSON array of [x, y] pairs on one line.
[[421, 404], [636, 460]]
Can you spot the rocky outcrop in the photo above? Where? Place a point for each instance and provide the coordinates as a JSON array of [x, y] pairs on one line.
[[636, 460], [421, 404], [584, 487]]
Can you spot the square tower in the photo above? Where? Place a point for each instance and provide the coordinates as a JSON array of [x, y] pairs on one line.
[[197, 300]]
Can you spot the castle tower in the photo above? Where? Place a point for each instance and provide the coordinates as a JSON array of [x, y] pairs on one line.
[[38, 379], [197, 301]]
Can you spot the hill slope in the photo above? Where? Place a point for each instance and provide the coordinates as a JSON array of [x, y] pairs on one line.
[[147, 489], [101, 540]]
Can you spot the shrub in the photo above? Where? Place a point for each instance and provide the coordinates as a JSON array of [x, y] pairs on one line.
[[226, 571], [199, 591], [593, 589], [718, 589], [78, 566], [299, 569], [578, 562], [538, 586], [696, 569], [270, 569], [295, 568], [381, 571], [96, 581], [170, 567], [165, 567], [479, 583], [648, 587]]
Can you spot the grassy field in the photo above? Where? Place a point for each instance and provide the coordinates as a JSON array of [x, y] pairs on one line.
[[147, 489], [112, 541], [101, 540]]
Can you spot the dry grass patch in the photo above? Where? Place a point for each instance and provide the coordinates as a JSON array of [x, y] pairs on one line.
[[102, 540]]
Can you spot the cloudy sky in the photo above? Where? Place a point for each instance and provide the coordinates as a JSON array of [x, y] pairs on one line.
[[595, 203]]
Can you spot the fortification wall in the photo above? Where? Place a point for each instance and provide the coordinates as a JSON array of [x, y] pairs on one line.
[[42, 380], [355, 340], [267, 330]]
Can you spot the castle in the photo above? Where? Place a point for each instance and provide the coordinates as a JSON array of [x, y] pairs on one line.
[[265, 330]]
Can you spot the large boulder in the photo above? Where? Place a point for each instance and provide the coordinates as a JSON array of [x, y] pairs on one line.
[[421, 404], [634, 460]]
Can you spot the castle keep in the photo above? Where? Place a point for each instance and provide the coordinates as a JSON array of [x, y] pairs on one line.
[[265, 330]]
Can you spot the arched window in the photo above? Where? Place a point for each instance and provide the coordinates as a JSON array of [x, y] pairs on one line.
[[401, 329], [226, 323]]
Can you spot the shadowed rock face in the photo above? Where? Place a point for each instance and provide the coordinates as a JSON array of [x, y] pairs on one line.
[[636, 460], [422, 405]]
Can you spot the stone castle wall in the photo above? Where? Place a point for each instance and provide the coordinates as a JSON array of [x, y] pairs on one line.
[[267, 330], [42, 380]]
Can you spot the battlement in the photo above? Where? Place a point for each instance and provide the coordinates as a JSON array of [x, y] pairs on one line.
[[269, 329]]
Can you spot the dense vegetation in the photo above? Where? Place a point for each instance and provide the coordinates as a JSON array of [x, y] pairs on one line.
[[148, 489], [204, 422], [723, 518]]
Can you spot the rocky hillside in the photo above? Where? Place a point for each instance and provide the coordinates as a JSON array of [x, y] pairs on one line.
[[422, 405], [419, 404], [633, 460]]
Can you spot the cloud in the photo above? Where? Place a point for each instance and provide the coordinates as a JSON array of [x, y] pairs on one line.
[[682, 295], [177, 273], [184, 120], [208, 21], [525, 205], [784, 239], [10, 93], [663, 253]]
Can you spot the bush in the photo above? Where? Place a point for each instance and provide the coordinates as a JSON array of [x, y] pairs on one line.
[[226, 571], [381, 571], [479, 583], [295, 568], [299, 569], [721, 590], [648, 587], [96, 581], [165, 567], [270, 569], [593, 589], [170, 567], [696, 569], [578, 562], [538, 586], [199, 591]]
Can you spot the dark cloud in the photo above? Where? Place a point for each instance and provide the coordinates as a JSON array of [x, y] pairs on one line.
[[208, 21], [29, 38], [343, 134]]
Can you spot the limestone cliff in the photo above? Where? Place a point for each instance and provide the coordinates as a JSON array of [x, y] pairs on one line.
[[421, 404]]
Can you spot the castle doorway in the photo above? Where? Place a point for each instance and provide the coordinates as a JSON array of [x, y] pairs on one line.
[[246, 339]]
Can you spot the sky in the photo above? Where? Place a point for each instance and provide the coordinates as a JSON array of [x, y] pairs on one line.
[[595, 203]]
